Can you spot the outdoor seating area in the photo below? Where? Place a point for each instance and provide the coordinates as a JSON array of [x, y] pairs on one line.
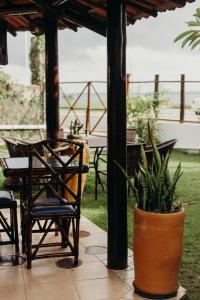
[[105, 217]]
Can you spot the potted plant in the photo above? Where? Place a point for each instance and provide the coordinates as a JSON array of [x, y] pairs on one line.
[[158, 227], [75, 128]]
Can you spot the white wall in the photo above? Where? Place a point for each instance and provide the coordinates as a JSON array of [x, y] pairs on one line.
[[187, 134]]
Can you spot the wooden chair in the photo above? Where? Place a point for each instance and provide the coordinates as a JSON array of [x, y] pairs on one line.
[[43, 134], [43, 201], [8, 227], [12, 145]]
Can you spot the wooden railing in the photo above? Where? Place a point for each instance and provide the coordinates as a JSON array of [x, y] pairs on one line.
[[90, 88]]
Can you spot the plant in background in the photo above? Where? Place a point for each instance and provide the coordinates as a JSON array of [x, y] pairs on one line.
[[191, 37], [154, 189], [140, 110], [75, 127]]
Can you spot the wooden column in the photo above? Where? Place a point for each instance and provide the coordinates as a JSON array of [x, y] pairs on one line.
[[52, 79], [87, 123], [116, 118], [182, 98], [156, 86], [3, 44]]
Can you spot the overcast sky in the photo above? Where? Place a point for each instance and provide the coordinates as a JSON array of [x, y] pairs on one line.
[[150, 50]]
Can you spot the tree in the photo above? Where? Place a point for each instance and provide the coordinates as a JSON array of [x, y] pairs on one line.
[[37, 59], [191, 37]]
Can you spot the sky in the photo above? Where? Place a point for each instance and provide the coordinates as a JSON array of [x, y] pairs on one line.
[[150, 50]]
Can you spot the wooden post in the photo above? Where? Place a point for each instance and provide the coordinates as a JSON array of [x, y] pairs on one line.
[[116, 119], [128, 79], [87, 123], [156, 86], [182, 99], [3, 44], [52, 78]]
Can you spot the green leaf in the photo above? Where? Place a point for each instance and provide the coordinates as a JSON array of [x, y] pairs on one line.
[[182, 35]]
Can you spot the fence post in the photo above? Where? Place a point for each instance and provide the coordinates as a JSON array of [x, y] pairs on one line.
[[182, 98], [87, 122], [128, 79], [156, 86]]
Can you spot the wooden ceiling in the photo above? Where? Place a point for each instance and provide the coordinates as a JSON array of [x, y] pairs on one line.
[[23, 15]]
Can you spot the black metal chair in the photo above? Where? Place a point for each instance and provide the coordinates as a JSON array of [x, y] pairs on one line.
[[8, 228], [43, 201]]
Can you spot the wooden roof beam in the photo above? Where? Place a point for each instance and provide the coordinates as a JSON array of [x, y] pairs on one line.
[[145, 3], [42, 4], [13, 9], [179, 3], [142, 9], [58, 3], [86, 21], [10, 29]]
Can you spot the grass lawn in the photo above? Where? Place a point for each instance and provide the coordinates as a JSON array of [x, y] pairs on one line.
[[188, 191]]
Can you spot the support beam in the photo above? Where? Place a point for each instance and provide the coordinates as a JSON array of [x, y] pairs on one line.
[[3, 44], [14, 10], [52, 79], [116, 78], [86, 21]]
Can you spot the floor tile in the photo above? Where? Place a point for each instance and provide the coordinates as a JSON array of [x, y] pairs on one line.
[[17, 293], [90, 270], [45, 274], [100, 289], [53, 291], [11, 277], [96, 239], [132, 296]]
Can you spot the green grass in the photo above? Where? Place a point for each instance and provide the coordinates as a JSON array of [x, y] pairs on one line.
[[188, 191]]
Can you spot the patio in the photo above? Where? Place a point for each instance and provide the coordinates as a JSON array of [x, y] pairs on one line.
[[52, 278], [91, 279]]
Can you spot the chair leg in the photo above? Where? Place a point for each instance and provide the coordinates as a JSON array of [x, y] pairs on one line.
[[29, 244], [15, 224], [76, 239]]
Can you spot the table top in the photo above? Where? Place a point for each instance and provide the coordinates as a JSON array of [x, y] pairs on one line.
[[19, 166], [97, 141]]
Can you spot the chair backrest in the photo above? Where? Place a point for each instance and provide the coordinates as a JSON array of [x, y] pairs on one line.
[[163, 149], [13, 146], [48, 172], [133, 158], [43, 134]]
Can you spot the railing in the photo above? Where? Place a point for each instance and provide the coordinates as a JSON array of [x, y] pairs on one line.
[[84, 102], [80, 105]]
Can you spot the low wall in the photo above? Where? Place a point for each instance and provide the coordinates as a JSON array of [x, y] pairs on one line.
[[187, 134]]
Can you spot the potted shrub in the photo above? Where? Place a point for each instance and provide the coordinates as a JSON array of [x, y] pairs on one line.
[[158, 227], [75, 128]]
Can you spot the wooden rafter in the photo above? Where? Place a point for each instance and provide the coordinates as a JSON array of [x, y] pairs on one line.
[[142, 9], [14, 10]]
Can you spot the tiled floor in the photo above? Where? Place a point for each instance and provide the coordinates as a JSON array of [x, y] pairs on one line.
[[91, 280]]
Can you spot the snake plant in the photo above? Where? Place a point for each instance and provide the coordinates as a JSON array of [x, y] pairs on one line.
[[154, 188]]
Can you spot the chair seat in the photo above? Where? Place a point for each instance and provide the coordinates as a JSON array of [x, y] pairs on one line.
[[6, 199], [51, 206]]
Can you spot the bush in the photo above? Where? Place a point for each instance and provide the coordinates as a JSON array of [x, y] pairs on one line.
[[140, 110]]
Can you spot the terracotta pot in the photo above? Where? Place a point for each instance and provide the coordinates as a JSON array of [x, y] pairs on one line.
[[73, 182], [157, 248]]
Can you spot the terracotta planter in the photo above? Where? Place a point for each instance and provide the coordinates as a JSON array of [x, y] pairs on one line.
[[73, 182], [158, 243]]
